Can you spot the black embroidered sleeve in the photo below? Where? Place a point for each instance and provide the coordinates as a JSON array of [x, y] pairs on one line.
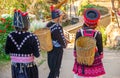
[[61, 38], [49, 24], [7, 45], [99, 42], [35, 46]]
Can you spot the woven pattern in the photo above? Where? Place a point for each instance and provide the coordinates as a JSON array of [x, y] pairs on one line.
[[85, 48], [44, 36]]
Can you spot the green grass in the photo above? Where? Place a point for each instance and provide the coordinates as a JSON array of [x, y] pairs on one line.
[[4, 62], [4, 59], [41, 62], [43, 54]]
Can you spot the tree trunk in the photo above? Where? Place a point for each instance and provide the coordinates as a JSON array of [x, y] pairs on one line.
[[118, 3], [114, 11]]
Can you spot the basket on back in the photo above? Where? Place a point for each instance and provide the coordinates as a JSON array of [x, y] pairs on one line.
[[85, 48], [44, 36]]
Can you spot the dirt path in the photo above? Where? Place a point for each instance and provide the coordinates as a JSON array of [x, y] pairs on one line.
[[111, 62]]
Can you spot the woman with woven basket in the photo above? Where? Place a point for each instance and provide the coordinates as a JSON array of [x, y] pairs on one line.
[[22, 46], [58, 41], [88, 54]]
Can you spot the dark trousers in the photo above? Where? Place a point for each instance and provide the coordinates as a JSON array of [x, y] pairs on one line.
[[54, 62]]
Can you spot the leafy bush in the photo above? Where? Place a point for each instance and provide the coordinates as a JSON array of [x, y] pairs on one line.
[[103, 10], [5, 28], [104, 35]]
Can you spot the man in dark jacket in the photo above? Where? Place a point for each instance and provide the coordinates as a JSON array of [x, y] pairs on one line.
[[59, 42]]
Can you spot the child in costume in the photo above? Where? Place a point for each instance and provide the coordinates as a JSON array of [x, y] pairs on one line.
[[59, 42], [22, 46], [91, 17]]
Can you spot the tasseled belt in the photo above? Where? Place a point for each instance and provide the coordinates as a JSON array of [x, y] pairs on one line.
[[22, 66], [18, 59]]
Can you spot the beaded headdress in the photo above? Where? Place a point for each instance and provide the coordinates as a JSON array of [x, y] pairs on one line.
[[21, 19]]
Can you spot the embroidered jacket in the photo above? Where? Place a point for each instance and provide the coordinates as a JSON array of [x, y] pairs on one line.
[[57, 35], [21, 45]]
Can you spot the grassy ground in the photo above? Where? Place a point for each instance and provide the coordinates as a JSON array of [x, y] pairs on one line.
[[39, 61], [43, 56], [4, 62]]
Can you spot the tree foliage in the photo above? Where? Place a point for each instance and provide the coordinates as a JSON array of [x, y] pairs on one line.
[[35, 7], [32, 6]]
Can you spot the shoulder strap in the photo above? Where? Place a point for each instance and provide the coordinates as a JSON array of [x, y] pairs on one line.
[[52, 26], [95, 34], [81, 30]]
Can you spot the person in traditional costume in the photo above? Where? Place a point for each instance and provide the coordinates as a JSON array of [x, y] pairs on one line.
[[91, 18], [59, 42], [22, 46]]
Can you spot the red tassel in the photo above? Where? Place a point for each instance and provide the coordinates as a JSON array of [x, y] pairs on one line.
[[24, 14], [51, 8], [19, 11]]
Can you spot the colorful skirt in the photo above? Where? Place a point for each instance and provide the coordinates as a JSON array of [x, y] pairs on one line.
[[76, 76], [97, 69], [24, 70]]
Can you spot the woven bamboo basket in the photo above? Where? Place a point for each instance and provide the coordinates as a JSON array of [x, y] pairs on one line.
[[85, 48], [44, 36]]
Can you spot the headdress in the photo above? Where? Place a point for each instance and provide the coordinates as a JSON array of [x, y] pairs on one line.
[[21, 19], [91, 16], [55, 13]]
